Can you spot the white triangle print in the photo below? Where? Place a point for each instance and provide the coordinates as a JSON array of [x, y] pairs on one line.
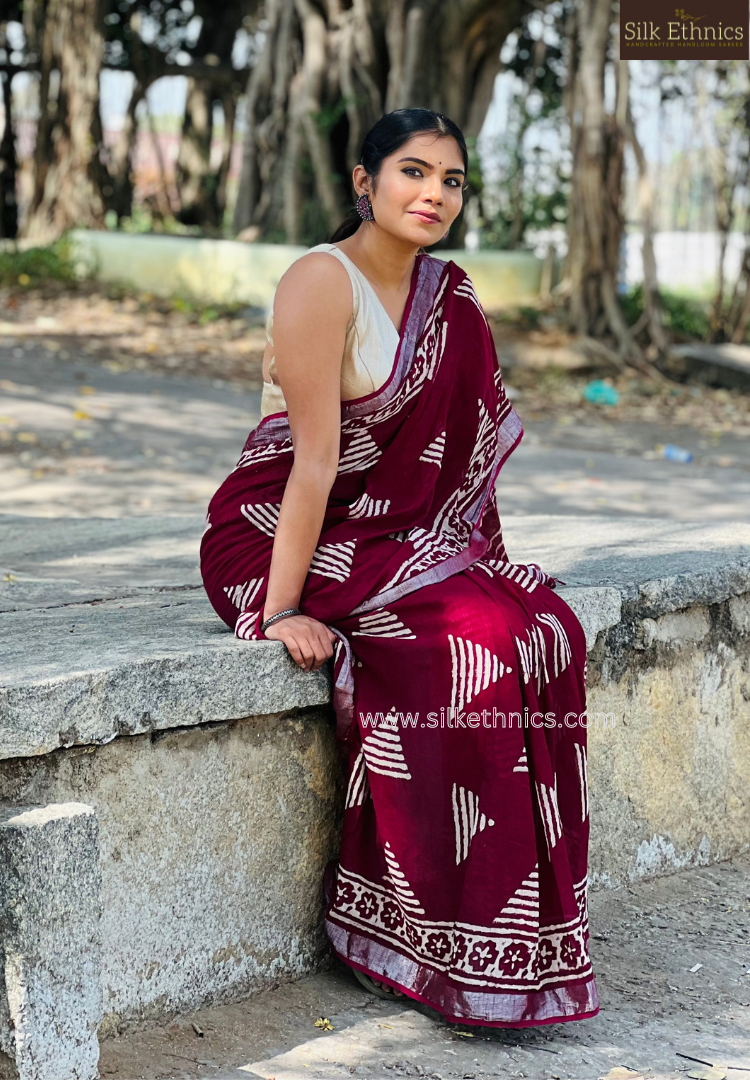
[[383, 750], [522, 765], [359, 787], [523, 906], [382, 624], [245, 626], [467, 820], [550, 814], [583, 778], [333, 560], [263, 516], [433, 454], [561, 652], [368, 507], [243, 595], [360, 454], [401, 887], [474, 667]]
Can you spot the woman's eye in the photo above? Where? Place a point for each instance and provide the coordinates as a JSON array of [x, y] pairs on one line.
[[413, 169]]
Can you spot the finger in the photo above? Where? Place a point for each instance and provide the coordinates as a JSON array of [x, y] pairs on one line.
[[295, 651], [324, 645], [307, 652], [321, 654]]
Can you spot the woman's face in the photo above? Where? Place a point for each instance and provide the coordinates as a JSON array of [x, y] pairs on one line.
[[418, 192]]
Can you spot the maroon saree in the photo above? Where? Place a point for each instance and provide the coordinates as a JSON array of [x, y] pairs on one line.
[[459, 678]]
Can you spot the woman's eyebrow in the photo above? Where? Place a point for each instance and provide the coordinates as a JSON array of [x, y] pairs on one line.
[[427, 164]]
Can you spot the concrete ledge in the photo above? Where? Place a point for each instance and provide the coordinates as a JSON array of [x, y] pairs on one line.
[[229, 272], [50, 907], [211, 763]]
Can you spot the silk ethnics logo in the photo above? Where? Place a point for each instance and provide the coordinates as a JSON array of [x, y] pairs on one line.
[[721, 33]]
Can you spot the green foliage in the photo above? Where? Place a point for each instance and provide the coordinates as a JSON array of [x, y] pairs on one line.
[[142, 220], [685, 315], [37, 266], [532, 189]]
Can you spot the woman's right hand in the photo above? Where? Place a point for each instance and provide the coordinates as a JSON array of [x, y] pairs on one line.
[[309, 641]]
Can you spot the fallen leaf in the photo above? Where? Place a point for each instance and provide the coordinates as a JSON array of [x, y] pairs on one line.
[[708, 1072], [79, 414], [324, 1023], [27, 437], [86, 390], [621, 1072]]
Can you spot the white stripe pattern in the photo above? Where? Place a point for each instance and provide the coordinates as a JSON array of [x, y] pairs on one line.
[[264, 516], [359, 786], [207, 525], [523, 906], [513, 572], [522, 765], [467, 820], [533, 656], [384, 753], [360, 454], [333, 560], [382, 624], [368, 507], [433, 454], [550, 814], [466, 288], [474, 667], [401, 887], [244, 627], [264, 452], [243, 595], [583, 777], [562, 651]]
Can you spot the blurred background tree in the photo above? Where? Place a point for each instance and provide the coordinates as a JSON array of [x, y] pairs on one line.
[[277, 95]]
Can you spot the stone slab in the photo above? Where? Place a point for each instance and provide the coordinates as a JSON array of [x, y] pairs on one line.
[[50, 911], [105, 628]]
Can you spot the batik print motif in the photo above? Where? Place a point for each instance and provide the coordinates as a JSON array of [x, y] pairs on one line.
[[463, 864]]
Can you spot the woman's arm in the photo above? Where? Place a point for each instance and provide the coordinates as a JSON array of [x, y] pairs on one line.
[[312, 306]]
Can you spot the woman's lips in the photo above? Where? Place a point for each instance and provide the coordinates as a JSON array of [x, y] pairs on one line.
[[426, 217]]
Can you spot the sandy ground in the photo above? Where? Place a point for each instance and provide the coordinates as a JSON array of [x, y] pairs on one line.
[[121, 407], [645, 939]]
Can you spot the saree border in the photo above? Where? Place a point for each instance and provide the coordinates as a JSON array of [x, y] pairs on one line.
[[275, 427]]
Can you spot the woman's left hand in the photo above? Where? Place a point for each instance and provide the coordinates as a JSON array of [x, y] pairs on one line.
[[309, 641]]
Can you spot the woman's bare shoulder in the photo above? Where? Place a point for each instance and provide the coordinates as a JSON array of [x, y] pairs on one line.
[[315, 285]]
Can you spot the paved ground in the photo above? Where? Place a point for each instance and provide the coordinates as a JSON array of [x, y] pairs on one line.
[[645, 939], [88, 435], [79, 438]]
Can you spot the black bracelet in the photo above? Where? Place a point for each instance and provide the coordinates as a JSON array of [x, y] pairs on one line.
[[279, 615]]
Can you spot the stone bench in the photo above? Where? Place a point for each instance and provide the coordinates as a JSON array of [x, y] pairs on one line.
[[185, 785]]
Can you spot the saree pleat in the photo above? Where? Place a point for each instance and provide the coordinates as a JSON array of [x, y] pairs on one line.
[[459, 681]]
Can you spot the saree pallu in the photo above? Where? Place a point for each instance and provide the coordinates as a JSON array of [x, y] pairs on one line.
[[459, 678]]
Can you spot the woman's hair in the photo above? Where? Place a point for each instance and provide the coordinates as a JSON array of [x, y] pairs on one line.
[[388, 135]]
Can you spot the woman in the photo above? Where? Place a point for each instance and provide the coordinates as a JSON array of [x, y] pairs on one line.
[[361, 523]]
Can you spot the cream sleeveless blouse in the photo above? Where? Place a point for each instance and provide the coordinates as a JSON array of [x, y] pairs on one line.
[[369, 349]]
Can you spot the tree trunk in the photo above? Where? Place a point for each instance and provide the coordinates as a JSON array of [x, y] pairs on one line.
[[328, 72], [595, 225], [115, 177], [202, 189], [8, 168], [69, 38]]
